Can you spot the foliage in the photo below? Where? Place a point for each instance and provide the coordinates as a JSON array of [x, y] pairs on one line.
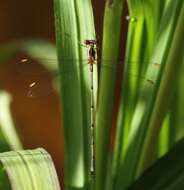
[[150, 115], [30, 169]]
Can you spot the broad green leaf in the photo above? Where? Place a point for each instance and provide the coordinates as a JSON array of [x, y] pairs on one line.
[[28, 170]]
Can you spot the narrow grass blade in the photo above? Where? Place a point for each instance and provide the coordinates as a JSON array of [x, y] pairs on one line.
[[176, 110], [144, 20], [111, 35], [149, 89], [74, 24], [86, 31], [169, 81], [163, 141], [180, 103], [8, 130], [29, 170]]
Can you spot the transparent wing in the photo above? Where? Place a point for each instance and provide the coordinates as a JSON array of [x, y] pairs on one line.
[[27, 66], [41, 79]]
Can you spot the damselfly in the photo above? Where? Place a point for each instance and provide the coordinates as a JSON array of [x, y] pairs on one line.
[[40, 88]]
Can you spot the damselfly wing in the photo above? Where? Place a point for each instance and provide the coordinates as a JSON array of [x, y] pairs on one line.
[[39, 85]]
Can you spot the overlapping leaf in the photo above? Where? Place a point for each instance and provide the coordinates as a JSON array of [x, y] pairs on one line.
[[28, 170]]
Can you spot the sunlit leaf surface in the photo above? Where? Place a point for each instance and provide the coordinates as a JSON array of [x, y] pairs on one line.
[[28, 170]]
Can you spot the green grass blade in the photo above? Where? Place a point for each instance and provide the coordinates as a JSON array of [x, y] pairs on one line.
[[176, 110], [111, 35], [86, 30], [143, 110], [7, 124], [172, 129], [166, 174], [29, 170], [180, 103], [169, 81], [144, 20], [164, 140], [74, 24]]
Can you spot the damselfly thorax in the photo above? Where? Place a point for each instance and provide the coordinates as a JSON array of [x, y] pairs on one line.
[[91, 51]]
